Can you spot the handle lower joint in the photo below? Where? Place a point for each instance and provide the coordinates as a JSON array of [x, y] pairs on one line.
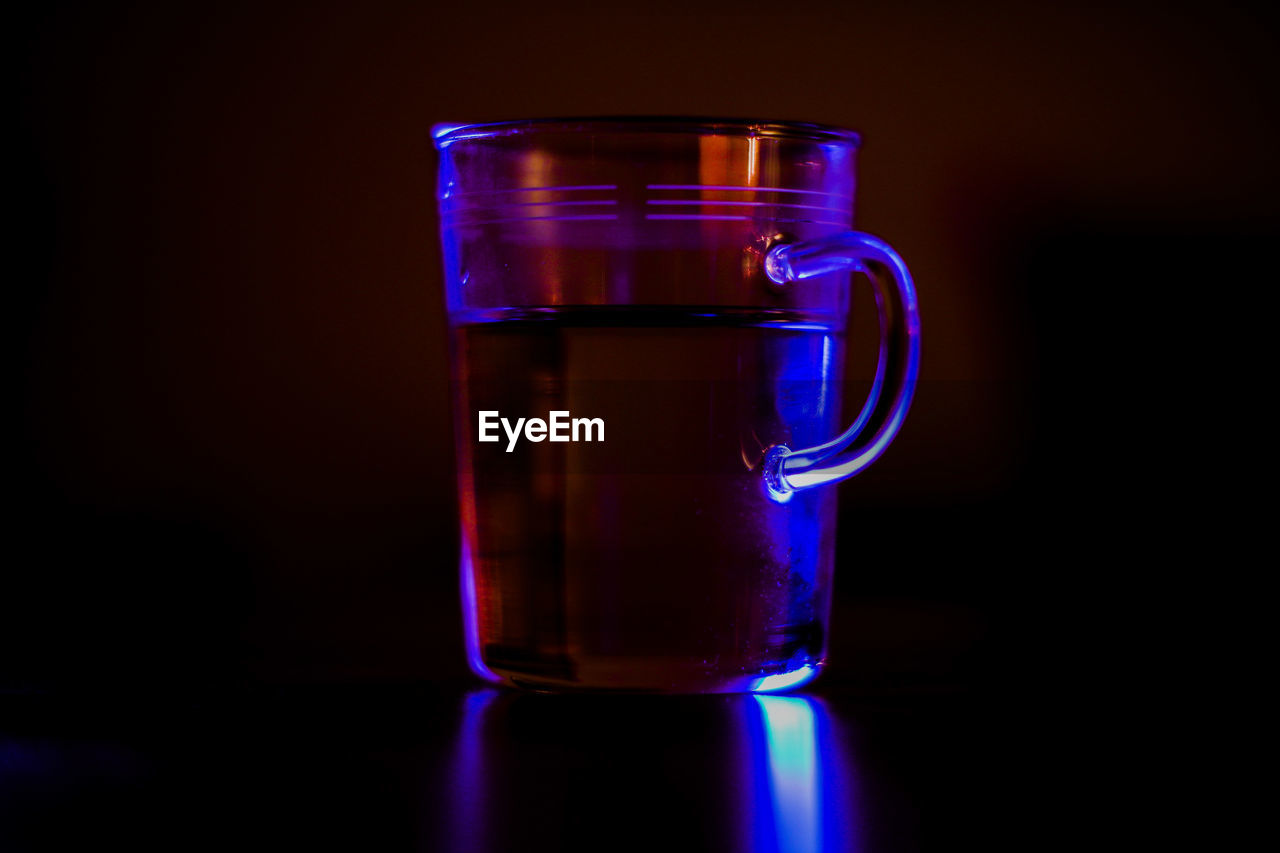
[[777, 266], [775, 479]]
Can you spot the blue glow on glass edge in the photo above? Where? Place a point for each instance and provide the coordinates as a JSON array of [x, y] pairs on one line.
[[439, 131], [470, 624], [784, 680]]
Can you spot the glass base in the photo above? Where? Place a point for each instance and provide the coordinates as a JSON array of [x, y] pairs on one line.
[[657, 676]]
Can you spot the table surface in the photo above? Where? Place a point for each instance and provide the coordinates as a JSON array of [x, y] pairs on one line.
[[469, 768]]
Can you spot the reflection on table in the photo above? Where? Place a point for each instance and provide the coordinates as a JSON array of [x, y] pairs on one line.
[[365, 767], [773, 774]]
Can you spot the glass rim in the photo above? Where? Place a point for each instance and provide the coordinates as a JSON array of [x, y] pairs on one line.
[[445, 134]]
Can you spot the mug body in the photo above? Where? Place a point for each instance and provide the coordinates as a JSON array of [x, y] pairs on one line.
[[621, 364]]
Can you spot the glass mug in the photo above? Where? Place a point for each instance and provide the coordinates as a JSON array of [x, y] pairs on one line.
[[647, 321]]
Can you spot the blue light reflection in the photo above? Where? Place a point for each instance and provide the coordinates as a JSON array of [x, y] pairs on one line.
[[797, 778], [469, 805], [782, 782]]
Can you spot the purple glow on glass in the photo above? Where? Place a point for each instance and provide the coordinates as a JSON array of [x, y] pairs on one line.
[[844, 224], [713, 203], [578, 218], [696, 216], [470, 626], [575, 188], [603, 201], [724, 188]]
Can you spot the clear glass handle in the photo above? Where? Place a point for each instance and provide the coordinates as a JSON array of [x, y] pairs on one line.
[[788, 470]]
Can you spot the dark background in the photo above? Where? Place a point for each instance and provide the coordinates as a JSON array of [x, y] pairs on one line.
[[233, 460]]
